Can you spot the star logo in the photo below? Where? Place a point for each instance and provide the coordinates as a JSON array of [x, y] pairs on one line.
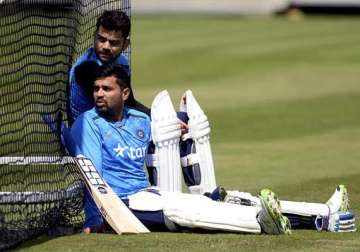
[[120, 150]]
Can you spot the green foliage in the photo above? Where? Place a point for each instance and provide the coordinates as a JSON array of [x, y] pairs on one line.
[[283, 99]]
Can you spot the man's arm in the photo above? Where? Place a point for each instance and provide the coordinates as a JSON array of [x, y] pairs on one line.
[[85, 139], [78, 99], [88, 141]]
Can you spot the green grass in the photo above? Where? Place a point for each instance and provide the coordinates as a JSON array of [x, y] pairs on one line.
[[283, 100], [299, 241]]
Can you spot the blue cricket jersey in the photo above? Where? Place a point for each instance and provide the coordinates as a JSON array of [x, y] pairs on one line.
[[117, 150], [79, 102]]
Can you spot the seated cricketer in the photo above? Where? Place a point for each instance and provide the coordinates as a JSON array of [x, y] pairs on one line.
[[116, 137]]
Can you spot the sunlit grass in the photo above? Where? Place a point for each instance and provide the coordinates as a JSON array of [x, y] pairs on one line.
[[283, 101]]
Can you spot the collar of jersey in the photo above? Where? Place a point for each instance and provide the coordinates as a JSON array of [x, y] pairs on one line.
[[121, 123]]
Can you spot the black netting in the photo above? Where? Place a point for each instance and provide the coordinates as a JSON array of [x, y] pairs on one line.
[[40, 39]]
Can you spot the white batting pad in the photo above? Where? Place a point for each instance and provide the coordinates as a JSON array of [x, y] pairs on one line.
[[199, 131], [166, 132], [197, 211]]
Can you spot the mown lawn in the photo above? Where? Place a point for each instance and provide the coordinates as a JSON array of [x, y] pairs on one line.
[[283, 100]]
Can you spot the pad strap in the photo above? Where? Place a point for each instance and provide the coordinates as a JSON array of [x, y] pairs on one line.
[[190, 159], [151, 160]]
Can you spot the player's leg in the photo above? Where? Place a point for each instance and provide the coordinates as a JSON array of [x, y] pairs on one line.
[[198, 170], [163, 161], [196, 156], [164, 164], [94, 222], [339, 200], [340, 217], [271, 213], [174, 211], [198, 211], [332, 216], [147, 206]]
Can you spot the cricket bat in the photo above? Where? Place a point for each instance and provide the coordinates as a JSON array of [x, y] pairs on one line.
[[114, 211]]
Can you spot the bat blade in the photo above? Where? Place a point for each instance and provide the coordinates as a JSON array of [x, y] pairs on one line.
[[114, 211]]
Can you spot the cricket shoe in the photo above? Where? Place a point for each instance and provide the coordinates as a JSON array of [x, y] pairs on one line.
[[340, 218], [270, 217], [337, 222], [339, 201]]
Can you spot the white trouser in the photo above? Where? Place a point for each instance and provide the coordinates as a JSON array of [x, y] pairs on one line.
[[197, 211], [287, 207]]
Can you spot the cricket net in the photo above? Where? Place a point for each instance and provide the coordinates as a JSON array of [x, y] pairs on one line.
[[40, 189]]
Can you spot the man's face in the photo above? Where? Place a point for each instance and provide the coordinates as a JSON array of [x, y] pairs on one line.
[[109, 44], [109, 97]]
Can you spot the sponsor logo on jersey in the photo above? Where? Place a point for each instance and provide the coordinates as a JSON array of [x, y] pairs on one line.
[[130, 152]]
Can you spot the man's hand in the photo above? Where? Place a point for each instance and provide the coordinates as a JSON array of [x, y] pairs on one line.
[[101, 228], [184, 128]]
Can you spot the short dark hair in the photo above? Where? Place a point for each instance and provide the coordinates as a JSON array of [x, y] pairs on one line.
[[114, 21], [116, 70]]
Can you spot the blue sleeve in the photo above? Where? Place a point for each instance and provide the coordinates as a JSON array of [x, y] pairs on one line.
[[87, 140], [123, 60], [78, 101], [88, 143]]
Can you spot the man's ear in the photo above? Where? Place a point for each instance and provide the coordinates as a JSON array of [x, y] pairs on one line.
[[126, 93], [126, 44]]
